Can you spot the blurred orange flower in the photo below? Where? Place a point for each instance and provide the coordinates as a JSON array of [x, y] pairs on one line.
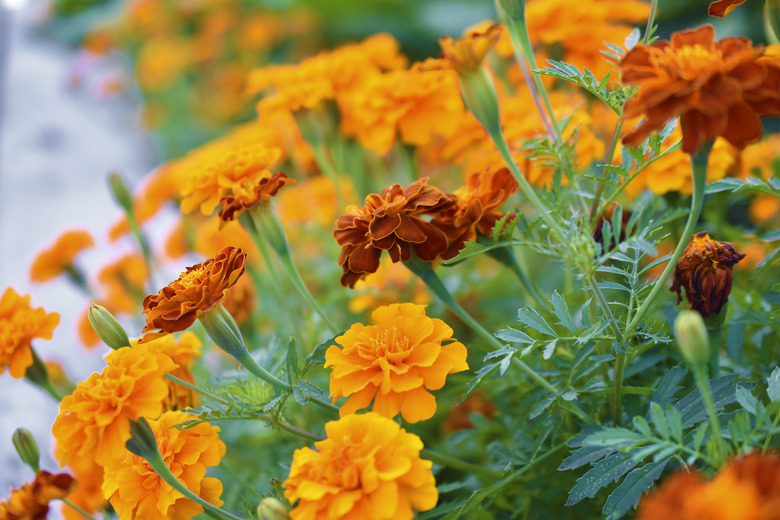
[[55, 259], [394, 363], [31, 501], [390, 284], [465, 54], [721, 8], [247, 195], [197, 290], [717, 88], [88, 494], [137, 491], [391, 221], [93, 420], [368, 467], [20, 323]]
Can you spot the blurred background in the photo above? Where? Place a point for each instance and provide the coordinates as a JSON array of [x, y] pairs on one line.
[[89, 87]]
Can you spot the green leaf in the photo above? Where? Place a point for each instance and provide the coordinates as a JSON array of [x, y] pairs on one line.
[[626, 496], [514, 336], [292, 362], [481, 374], [585, 455], [317, 355], [773, 385], [533, 319], [562, 311], [602, 474], [658, 418], [746, 399]]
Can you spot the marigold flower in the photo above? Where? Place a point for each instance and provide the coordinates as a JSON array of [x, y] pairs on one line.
[[705, 272], [122, 282], [747, 488], [20, 323], [183, 350], [368, 467], [248, 195], [52, 261], [466, 53], [721, 8], [394, 363], [88, 494], [391, 221], [31, 501], [717, 88], [197, 290], [93, 420], [135, 490]]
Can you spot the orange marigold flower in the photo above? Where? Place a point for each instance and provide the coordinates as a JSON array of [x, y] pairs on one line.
[[705, 272], [747, 488], [122, 282], [717, 88], [466, 53], [20, 323], [137, 491], [367, 467], [391, 221], [247, 195], [55, 259], [183, 350], [721, 8], [88, 495], [477, 208], [31, 501], [197, 290], [93, 420], [394, 363]]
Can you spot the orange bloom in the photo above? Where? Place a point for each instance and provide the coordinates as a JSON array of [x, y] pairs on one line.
[[747, 488], [122, 283], [247, 195], [313, 202], [368, 467], [717, 88], [135, 490], [88, 494], [20, 323], [183, 350], [31, 501], [721, 8], [705, 272], [197, 290], [394, 363], [391, 221], [52, 261], [93, 420], [467, 53]]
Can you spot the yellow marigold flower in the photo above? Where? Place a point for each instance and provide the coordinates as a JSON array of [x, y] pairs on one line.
[[466, 53], [52, 261], [394, 363], [135, 490], [247, 195], [747, 488], [721, 8], [197, 290], [88, 494], [31, 501], [20, 323], [93, 420], [368, 467], [705, 272], [412, 104], [183, 350]]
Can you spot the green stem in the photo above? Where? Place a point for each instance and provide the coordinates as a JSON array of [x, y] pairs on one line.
[[700, 375], [190, 386], [716, 340], [607, 160], [77, 509], [452, 462], [650, 20]]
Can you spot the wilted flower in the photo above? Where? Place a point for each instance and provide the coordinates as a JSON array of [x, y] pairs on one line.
[[134, 488], [717, 88], [31, 501], [391, 221], [721, 8], [368, 467], [55, 259], [747, 488], [394, 363], [247, 195], [93, 420], [197, 290], [20, 323], [705, 272]]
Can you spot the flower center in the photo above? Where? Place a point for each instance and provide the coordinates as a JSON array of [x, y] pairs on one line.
[[385, 343], [690, 60], [192, 277]]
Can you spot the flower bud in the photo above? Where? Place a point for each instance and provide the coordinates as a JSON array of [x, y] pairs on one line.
[[120, 191], [142, 441], [223, 330], [27, 448], [480, 97], [272, 509], [107, 327], [692, 337]]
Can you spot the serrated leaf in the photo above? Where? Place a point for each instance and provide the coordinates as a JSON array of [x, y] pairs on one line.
[[272, 403], [533, 319], [746, 399], [585, 455], [612, 437], [675, 423], [549, 349], [481, 374], [669, 385], [562, 311], [602, 474], [299, 396], [310, 389], [641, 424], [514, 336], [659, 420], [626, 496], [773, 385], [544, 405]]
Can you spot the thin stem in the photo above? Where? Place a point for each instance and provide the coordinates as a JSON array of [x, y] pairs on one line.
[[77, 509], [452, 462], [607, 160], [190, 386], [650, 20], [700, 374]]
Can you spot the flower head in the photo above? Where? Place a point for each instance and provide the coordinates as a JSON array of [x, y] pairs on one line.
[[391, 221], [721, 8], [183, 350], [93, 420], [197, 290], [52, 261], [466, 53], [394, 363], [20, 323], [367, 467], [250, 194], [705, 272], [717, 88], [31, 501], [135, 490]]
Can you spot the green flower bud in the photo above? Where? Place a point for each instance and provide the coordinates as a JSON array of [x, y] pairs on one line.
[[692, 337], [107, 328], [27, 448], [142, 441], [120, 191], [272, 509], [223, 330], [480, 97]]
